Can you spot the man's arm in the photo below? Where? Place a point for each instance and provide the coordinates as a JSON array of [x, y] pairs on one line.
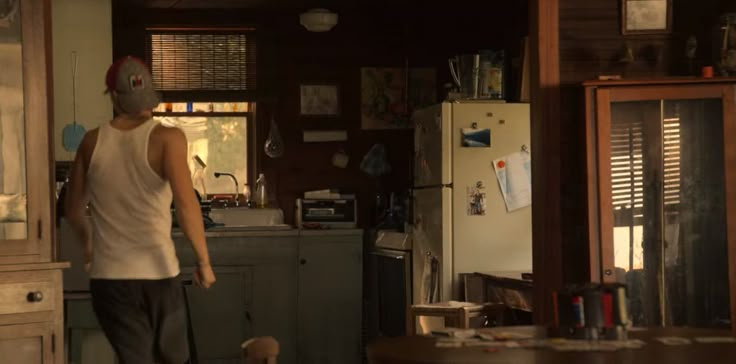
[[188, 211], [75, 204]]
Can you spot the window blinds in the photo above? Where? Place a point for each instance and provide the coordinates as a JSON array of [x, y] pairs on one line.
[[194, 60], [627, 167]]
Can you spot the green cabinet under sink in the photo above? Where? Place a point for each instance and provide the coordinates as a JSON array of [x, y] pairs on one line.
[[254, 295]]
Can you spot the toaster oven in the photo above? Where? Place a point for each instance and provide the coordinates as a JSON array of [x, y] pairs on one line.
[[331, 213]]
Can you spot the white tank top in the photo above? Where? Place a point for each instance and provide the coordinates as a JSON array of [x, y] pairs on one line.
[[131, 208]]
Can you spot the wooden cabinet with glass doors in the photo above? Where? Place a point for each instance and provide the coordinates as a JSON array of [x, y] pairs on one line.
[[31, 329], [662, 197]]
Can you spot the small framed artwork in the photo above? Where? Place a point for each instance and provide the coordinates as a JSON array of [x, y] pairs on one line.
[[319, 100], [646, 17]]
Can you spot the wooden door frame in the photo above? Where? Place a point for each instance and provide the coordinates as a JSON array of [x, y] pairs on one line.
[[545, 139]]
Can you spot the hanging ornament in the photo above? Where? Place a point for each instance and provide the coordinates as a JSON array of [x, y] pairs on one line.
[[274, 146]]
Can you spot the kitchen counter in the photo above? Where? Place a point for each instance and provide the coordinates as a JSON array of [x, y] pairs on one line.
[[240, 231], [266, 231]]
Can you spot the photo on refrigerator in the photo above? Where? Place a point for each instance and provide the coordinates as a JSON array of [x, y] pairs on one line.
[[476, 138]]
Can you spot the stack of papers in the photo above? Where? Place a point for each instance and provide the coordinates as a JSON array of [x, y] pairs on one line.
[[514, 174]]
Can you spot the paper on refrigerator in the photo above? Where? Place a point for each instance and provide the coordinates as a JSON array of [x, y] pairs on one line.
[[514, 173]]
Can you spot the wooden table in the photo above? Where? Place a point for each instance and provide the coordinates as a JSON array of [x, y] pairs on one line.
[[422, 350]]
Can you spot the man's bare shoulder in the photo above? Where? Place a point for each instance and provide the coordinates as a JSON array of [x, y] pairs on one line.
[[168, 133]]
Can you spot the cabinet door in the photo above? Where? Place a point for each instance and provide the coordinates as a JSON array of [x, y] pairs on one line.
[[260, 269], [27, 344], [666, 172], [220, 317], [330, 300], [24, 169], [85, 341], [273, 311]]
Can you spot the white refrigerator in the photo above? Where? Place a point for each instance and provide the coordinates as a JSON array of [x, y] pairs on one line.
[[461, 221]]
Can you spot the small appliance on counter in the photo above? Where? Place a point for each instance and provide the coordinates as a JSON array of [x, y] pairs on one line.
[[327, 209]]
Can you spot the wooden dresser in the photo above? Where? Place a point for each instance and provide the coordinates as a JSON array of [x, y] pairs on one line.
[[31, 327]]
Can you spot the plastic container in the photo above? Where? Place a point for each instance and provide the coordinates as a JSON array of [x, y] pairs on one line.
[[247, 201], [261, 197]]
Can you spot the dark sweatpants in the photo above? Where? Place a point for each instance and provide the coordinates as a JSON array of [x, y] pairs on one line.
[[144, 320]]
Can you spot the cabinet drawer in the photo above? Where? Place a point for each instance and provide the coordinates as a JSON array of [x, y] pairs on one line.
[[29, 296]]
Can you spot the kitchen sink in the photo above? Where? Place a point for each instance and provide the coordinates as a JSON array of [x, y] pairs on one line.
[[248, 218]]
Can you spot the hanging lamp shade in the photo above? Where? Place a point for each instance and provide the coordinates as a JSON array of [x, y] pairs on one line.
[[318, 20]]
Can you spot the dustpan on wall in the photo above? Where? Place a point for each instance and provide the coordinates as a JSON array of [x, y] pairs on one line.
[[72, 134]]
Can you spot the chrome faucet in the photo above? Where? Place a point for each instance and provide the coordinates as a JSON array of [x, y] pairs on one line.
[[235, 196]]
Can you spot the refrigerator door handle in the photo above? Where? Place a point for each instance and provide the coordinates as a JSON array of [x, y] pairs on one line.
[[448, 185], [390, 254]]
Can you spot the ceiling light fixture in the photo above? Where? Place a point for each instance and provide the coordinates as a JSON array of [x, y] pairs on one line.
[[318, 20]]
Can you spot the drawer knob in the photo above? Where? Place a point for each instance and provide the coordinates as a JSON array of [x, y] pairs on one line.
[[35, 296]]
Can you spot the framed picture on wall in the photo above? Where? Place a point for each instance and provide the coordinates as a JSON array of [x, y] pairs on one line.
[[319, 100], [646, 16]]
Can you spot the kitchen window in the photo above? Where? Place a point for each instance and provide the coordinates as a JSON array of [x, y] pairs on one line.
[[207, 78], [217, 132]]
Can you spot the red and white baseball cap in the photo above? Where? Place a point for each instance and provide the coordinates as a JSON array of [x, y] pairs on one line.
[[131, 80]]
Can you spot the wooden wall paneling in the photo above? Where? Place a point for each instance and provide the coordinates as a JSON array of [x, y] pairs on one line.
[[366, 36], [591, 40], [545, 137], [573, 181]]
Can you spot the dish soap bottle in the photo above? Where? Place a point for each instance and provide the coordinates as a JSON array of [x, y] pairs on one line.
[[261, 195]]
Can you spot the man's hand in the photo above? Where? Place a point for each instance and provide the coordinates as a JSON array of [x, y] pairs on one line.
[[88, 256], [204, 276]]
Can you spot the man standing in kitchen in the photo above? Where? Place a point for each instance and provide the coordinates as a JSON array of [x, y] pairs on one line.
[[128, 170]]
